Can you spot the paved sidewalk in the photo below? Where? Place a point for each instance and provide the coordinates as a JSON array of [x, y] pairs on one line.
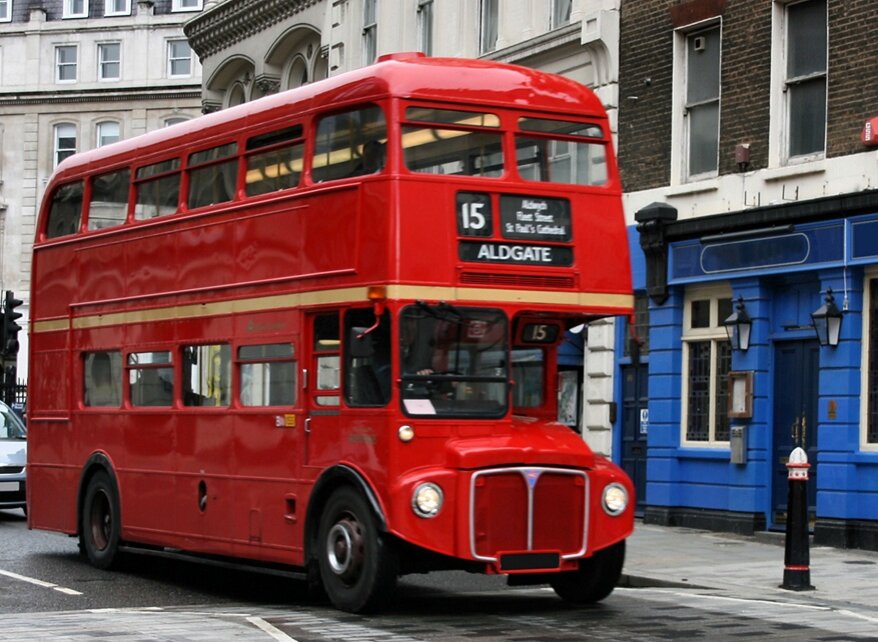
[[748, 567]]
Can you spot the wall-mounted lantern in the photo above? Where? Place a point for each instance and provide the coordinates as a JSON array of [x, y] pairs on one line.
[[827, 321], [738, 325]]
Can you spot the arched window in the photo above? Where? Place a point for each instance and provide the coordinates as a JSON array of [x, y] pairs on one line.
[[237, 95], [298, 75], [107, 132]]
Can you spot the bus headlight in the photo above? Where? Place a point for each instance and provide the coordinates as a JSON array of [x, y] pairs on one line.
[[615, 499], [427, 500]]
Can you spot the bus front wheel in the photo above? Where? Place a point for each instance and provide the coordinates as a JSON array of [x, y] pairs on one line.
[[595, 579], [358, 566], [100, 525]]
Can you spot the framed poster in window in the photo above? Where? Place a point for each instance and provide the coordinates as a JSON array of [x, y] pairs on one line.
[[741, 394]]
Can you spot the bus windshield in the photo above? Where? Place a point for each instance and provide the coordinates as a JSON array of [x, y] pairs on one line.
[[454, 361]]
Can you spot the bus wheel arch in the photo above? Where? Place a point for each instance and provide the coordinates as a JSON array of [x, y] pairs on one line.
[[349, 555], [99, 521]]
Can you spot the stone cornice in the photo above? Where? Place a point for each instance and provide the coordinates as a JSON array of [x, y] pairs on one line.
[[140, 94], [231, 21]]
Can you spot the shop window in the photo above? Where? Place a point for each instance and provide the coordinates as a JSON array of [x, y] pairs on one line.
[[707, 360], [870, 386]]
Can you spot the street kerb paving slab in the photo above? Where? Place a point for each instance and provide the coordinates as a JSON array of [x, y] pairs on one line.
[[745, 566]]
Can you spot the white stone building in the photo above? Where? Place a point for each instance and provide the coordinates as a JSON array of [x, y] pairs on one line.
[[75, 75]]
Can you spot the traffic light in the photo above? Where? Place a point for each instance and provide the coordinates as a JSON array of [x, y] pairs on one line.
[[10, 327]]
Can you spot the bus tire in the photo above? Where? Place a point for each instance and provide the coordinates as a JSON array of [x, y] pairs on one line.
[[596, 578], [100, 525], [358, 566]]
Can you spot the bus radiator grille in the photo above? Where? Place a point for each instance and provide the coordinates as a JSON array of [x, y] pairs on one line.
[[528, 509]]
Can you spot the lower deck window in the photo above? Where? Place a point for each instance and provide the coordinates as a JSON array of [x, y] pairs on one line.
[[207, 379], [150, 379], [102, 379], [268, 375]]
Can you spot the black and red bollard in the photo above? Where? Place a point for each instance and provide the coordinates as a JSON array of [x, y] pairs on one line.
[[797, 558]]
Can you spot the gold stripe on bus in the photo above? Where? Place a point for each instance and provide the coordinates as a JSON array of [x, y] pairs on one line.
[[597, 300], [51, 326], [589, 299]]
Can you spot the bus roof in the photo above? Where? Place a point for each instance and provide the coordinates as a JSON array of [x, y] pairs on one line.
[[407, 75]]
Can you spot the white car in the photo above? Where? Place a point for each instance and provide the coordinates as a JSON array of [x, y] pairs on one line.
[[13, 459]]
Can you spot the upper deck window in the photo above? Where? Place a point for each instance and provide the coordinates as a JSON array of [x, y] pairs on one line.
[[350, 144], [108, 205], [274, 161], [559, 151], [212, 175], [459, 148], [158, 189], [65, 212]]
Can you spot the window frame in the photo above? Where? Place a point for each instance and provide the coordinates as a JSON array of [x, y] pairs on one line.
[[779, 110], [181, 5], [110, 10], [680, 114], [101, 62], [370, 31], [556, 22], [69, 12], [6, 12], [870, 307], [715, 333], [100, 125], [425, 16], [489, 25], [56, 149], [60, 65], [171, 59]]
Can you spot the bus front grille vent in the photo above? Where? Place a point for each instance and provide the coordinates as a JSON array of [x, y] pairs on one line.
[[519, 280]]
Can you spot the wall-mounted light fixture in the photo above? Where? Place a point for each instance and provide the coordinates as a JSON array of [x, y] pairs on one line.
[[827, 321], [738, 325]]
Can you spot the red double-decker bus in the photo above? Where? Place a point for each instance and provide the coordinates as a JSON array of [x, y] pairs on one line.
[[320, 330]]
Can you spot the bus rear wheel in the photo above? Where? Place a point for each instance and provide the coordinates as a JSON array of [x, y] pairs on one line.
[[358, 566], [100, 526], [596, 578]]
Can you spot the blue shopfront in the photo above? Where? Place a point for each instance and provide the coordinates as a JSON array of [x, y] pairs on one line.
[[722, 420]]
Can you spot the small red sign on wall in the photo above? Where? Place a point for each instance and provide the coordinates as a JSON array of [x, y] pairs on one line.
[[870, 132]]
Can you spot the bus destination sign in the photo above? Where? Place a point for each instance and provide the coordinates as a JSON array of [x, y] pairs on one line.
[[535, 218], [518, 254]]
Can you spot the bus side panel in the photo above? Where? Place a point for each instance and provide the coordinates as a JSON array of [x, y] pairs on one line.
[[268, 504], [51, 485], [55, 282], [144, 444], [52, 474]]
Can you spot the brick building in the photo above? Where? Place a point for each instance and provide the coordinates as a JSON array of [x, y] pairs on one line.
[[751, 177]]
